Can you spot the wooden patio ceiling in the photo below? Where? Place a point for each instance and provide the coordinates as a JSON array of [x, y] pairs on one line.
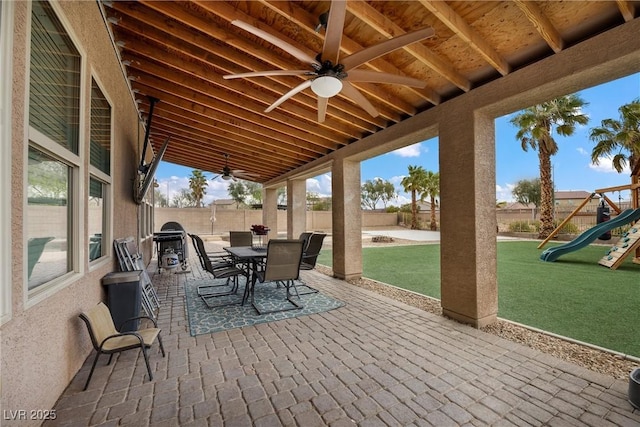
[[178, 52]]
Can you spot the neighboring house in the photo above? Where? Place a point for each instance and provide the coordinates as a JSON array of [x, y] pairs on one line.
[[568, 201], [424, 206], [565, 201]]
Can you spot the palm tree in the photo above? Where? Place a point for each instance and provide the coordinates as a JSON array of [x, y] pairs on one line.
[[536, 125], [432, 190], [619, 139], [198, 186], [415, 182]]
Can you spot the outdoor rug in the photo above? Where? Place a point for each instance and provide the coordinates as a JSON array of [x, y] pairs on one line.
[[205, 320]]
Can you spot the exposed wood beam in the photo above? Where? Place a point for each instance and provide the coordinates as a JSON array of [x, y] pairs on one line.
[[247, 143], [199, 71], [627, 9], [227, 12], [153, 25], [542, 24], [463, 30], [388, 28], [307, 22]]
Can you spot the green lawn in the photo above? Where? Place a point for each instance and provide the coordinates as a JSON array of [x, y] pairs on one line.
[[573, 296]]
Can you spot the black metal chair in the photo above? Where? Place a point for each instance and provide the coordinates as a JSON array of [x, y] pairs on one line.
[[309, 259], [228, 271], [310, 255], [281, 266], [240, 238], [218, 259], [305, 240]]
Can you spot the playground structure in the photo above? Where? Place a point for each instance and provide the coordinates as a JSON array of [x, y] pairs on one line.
[[629, 242]]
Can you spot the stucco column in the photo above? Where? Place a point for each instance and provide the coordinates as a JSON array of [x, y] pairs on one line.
[[296, 207], [468, 219], [270, 211], [347, 219]]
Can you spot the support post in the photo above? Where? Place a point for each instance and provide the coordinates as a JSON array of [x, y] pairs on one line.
[[468, 251], [270, 211], [296, 207], [347, 219]]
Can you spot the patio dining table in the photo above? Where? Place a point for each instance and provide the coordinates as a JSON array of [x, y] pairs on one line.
[[249, 256]]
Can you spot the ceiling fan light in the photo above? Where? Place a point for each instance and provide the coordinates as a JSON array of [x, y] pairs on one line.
[[226, 177], [326, 86]]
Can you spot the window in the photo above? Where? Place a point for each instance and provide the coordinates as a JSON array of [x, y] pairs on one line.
[[53, 157], [97, 219], [100, 171], [49, 234]]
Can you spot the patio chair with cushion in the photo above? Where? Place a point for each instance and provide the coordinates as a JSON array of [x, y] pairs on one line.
[[107, 340], [281, 266]]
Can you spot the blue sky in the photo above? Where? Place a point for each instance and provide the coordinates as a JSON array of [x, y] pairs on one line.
[[572, 167]]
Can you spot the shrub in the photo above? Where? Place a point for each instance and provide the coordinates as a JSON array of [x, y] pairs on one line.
[[520, 227], [568, 228]]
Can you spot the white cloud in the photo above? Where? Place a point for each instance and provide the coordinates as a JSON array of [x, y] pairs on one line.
[[320, 184], [170, 187], [582, 151], [395, 180], [605, 165], [409, 151], [504, 193]]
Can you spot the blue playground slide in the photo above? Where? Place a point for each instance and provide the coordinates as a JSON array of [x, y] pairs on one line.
[[625, 217]]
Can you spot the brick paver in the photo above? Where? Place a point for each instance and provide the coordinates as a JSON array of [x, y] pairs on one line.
[[374, 362]]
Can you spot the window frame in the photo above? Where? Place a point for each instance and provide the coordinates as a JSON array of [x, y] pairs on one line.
[[38, 140], [6, 58], [105, 179]]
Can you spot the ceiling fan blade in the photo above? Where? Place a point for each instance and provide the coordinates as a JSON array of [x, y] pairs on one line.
[[382, 48], [216, 177], [247, 176], [302, 86], [267, 74], [356, 96], [364, 76], [333, 35], [287, 47], [322, 108]]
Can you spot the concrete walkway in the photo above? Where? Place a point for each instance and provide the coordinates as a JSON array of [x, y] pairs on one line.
[[374, 362], [417, 235]]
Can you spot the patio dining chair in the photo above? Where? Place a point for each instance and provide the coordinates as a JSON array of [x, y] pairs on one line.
[[282, 265], [107, 340], [224, 270], [218, 259], [309, 259], [240, 238], [305, 240]]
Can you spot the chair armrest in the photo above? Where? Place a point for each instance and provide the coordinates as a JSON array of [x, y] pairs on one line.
[[135, 334], [131, 319], [307, 256]]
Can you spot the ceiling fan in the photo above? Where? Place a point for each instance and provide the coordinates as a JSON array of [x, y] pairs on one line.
[[231, 174], [330, 74]]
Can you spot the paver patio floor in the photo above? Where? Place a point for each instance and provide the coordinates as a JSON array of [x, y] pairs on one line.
[[374, 362]]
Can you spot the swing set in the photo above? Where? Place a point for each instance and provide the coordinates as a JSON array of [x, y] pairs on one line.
[[630, 242]]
